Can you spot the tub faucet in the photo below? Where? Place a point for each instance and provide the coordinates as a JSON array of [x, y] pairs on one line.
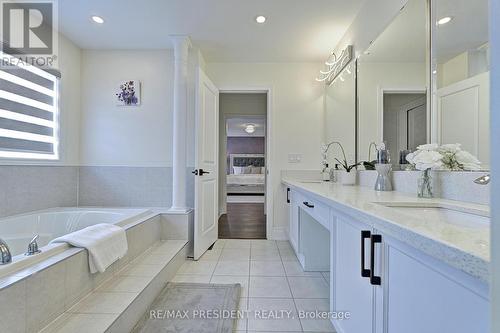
[[5, 256], [33, 247], [483, 180]]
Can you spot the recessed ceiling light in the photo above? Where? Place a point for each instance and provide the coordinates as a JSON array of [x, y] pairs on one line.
[[250, 128], [97, 19], [260, 19], [444, 20]]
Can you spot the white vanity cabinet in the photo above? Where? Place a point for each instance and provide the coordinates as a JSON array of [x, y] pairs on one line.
[[308, 231], [386, 285], [293, 218], [422, 294], [390, 287], [352, 291]]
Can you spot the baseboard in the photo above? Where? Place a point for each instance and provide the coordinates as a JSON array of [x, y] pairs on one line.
[[279, 233]]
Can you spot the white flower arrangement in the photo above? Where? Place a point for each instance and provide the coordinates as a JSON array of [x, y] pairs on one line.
[[444, 157]]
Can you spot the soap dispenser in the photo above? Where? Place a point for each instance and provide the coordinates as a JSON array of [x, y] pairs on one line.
[[383, 166], [326, 173]]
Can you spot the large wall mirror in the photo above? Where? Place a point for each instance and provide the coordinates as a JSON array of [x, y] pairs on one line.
[[408, 93], [392, 86], [340, 111], [461, 75]]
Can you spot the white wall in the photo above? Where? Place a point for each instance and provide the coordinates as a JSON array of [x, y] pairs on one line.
[[126, 136], [495, 164], [70, 57], [372, 78], [296, 115]]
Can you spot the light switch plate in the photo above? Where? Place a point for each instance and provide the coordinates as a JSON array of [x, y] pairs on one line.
[[294, 158]]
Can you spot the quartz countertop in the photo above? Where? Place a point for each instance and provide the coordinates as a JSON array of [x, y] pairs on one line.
[[461, 246]]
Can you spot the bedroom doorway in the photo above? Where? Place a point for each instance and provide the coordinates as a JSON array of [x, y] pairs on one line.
[[242, 181]]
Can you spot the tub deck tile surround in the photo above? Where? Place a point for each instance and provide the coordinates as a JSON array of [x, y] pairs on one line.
[[64, 277], [134, 221], [105, 307], [13, 318]]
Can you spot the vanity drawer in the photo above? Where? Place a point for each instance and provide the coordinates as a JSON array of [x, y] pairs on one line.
[[317, 210]]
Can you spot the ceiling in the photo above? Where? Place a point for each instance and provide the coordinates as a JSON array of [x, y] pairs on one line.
[[236, 126], [404, 40], [224, 30], [468, 29]]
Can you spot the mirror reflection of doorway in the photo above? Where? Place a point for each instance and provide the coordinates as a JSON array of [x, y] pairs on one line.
[[416, 123], [405, 122]]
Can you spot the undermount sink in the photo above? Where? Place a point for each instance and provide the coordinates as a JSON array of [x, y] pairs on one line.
[[456, 215]]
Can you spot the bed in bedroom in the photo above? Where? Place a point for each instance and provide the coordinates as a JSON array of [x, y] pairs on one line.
[[247, 174]]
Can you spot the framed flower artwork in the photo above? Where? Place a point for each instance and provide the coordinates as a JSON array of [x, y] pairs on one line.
[[129, 93]]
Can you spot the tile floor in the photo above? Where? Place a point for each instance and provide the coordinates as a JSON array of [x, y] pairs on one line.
[[271, 279]]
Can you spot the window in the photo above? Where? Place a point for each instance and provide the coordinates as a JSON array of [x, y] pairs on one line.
[[28, 111]]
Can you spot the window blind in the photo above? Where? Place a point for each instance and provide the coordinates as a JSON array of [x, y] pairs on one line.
[[28, 111]]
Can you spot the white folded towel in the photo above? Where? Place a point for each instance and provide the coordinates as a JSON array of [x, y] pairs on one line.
[[105, 243]]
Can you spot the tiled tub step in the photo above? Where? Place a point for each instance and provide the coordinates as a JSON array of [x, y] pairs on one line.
[[120, 301]]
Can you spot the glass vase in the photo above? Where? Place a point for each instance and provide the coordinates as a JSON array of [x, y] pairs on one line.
[[425, 184]]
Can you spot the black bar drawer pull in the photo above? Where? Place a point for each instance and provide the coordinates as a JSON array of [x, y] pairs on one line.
[[308, 204], [365, 234], [288, 195], [374, 280]]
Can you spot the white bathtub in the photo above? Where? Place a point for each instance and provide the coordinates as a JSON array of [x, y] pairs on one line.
[[18, 230]]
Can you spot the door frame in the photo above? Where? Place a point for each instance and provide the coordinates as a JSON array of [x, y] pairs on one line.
[[397, 90], [270, 172], [402, 119]]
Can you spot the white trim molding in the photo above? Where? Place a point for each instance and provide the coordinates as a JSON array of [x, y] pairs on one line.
[[271, 173]]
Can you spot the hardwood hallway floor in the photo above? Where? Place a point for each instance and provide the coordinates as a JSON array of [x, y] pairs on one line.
[[243, 220]]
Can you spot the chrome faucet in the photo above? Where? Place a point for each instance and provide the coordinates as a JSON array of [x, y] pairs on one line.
[[483, 180], [5, 256], [33, 247]]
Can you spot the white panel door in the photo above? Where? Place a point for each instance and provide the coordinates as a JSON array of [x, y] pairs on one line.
[[459, 118], [463, 115], [206, 161]]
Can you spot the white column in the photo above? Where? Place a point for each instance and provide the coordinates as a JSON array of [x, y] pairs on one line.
[[181, 47]]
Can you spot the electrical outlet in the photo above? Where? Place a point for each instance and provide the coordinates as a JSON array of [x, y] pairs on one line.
[[294, 158]]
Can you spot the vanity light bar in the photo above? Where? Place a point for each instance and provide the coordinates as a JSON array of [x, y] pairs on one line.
[[335, 65]]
